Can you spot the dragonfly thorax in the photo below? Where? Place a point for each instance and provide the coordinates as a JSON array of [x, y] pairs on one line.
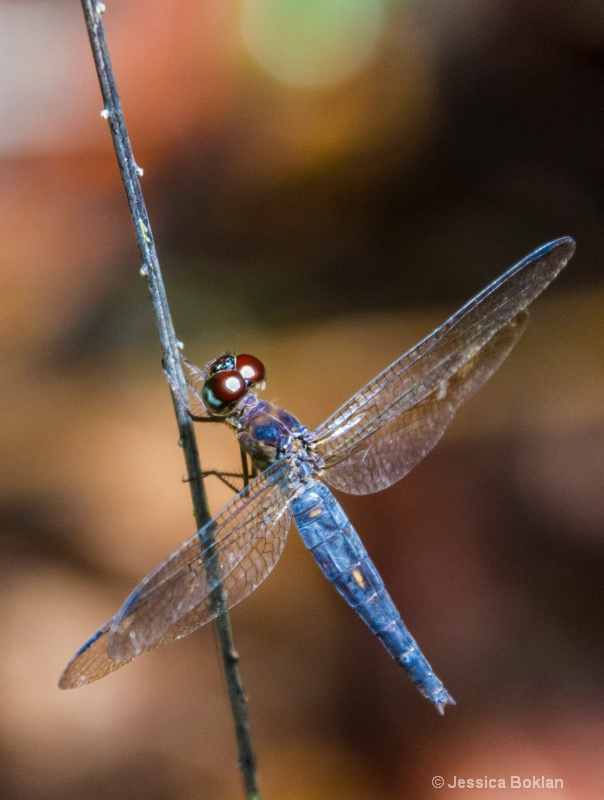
[[269, 433]]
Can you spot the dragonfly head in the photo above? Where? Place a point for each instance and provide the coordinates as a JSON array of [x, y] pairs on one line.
[[228, 380]]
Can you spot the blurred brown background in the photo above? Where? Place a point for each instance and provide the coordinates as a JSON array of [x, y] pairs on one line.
[[327, 181]]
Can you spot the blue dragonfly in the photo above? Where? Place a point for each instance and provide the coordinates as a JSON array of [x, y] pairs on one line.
[[373, 440]]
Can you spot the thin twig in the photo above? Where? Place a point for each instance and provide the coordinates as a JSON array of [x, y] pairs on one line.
[[171, 358]]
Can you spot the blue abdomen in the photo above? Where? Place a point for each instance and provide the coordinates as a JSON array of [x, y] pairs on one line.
[[337, 549]]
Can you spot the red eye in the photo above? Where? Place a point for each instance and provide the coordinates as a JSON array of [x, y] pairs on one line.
[[223, 389], [251, 368]]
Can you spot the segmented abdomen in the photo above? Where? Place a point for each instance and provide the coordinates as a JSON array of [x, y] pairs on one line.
[[339, 552]]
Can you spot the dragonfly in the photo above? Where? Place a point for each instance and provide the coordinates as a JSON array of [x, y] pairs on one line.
[[368, 444]]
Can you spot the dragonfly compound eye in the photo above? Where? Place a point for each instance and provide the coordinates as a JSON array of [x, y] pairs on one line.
[[221, 364], [222, 390], [251, 368]]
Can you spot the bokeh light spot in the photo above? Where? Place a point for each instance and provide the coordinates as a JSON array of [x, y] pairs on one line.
[[312, 42]]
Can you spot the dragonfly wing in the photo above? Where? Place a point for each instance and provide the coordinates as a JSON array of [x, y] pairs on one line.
[[366, 423], [393, 450], [91, 662], [183, 592], [195, 377]]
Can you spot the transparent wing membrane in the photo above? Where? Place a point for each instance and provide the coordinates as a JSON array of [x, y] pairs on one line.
[[389, 453], [180, 595], [428, 383]]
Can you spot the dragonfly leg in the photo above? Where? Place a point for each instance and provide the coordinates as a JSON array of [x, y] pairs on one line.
[[248, 468], [247, 473], [224, 477]]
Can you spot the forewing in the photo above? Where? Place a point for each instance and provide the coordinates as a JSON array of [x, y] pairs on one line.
[[181, 594], [195, 377], [393, 450], [91, 662], [365, 426]]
